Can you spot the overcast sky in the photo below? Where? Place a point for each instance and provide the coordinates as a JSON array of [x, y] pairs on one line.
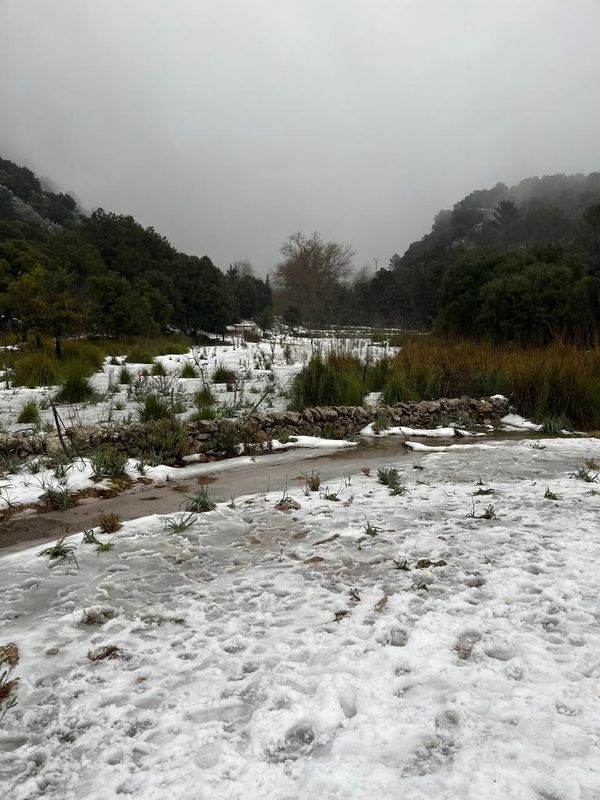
[[229, 124]]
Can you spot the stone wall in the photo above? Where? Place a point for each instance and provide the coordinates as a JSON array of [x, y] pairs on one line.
[[332, 422]]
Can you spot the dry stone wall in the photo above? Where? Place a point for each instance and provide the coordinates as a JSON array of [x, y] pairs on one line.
[[331, 422]]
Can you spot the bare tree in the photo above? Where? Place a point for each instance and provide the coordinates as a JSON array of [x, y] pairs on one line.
[[311, 274]]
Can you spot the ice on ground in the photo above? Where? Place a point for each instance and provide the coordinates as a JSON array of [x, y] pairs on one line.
[[287, 656]]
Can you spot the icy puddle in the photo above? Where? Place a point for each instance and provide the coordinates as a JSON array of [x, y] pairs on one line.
[[283, 655]]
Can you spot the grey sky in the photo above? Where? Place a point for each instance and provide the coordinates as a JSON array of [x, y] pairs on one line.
[[229, 124]]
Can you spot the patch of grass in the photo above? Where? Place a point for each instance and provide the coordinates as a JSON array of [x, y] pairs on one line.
[[29, 413], [109, 522], [401, 564], [35, 368], [104, 547], [200, 502], [486, 491], [89, 537], [204, 397], [326, 494], [336, 380], [550, 495]]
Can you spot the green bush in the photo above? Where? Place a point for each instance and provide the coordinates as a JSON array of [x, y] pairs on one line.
[[166, 441], [108, 462], [124, 375]]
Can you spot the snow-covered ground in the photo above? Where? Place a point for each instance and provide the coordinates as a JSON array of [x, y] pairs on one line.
[[267, 364], [285, 656]]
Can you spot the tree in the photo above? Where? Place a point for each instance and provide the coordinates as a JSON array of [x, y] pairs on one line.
[[47, 303], [310, 274]]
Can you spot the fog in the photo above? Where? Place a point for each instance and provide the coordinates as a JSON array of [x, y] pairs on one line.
[[228, 125]]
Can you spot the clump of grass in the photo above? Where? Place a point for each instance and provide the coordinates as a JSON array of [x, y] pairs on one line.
[[109, 522], [188, 370], [104, 547], [204, 397], [227, 439], [29, 413], [489, 513], [200, 502], [223, 374], [58, 498], [60, 549], [89, 537], [154, 407], [329, 495], [401, 564], [550, 495], [583, 474], [336, 380], [181, 524], [371, 530], [124, 375], [35, 368], [313, 481], [108, 462], [366, 471], [76, 388], [158, 369], [486, 491], [388, 476], [381, 423]]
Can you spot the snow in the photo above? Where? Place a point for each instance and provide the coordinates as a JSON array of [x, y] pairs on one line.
[[236, 681], [24, 487], [401, 430], [517, 423]]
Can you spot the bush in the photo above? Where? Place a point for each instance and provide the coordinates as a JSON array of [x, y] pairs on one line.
[[108, 462], [109, 523], [154, 407], [29, 413], [204, 397], [227, 439], [166, 441]]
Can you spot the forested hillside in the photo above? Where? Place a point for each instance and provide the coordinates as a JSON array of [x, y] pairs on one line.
[[64, 273], [519, 263]]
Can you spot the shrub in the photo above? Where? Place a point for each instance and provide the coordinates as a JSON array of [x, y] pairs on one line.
[[189, 370], [154, 407], [166, 441], [109, 522], [204, 397], [227, 439], [29, 413], [124, 375], [108, 462]]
